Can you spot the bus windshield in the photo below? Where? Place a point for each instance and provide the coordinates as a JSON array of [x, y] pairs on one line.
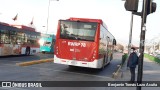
[[76, 30]]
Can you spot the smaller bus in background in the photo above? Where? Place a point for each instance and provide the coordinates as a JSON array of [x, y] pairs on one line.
[[47, 43], [18, 40]]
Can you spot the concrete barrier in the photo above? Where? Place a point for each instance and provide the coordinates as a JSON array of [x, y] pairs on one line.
[[35, 62]]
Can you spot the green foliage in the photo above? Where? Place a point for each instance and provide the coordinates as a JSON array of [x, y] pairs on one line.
[[152, 58], [124, 57]]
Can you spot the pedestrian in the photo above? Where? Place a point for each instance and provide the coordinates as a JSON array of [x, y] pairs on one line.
[[132, 62]]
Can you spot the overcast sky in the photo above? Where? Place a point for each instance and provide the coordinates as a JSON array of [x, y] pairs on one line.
[[112, 12]]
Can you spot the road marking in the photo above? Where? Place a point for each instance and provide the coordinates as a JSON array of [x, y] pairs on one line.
[[83, 74], [12, 88], [75, 73], [35, 62]]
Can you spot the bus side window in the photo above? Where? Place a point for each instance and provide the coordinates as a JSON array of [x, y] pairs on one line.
[[108, 39], [114, 42], [101, 35]]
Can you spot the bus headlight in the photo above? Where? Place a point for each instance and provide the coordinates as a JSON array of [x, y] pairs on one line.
[[41, 42]]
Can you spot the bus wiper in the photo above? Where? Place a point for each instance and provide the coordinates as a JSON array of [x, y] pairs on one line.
[[77, 37]]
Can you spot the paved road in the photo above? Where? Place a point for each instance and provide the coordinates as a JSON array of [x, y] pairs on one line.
[[9, 71], [22, 58]]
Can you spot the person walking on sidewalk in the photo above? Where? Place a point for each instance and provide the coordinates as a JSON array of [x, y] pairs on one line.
[[132, 62]]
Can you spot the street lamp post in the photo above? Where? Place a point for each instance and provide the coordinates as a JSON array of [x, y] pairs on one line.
[[130, 35], [48, 13]]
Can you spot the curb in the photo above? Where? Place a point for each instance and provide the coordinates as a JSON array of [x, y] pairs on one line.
[[120, 72], [35, 62], [117, 72]]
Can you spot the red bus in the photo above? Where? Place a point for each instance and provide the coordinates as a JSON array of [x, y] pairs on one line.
[[18, 39], [83, 42]]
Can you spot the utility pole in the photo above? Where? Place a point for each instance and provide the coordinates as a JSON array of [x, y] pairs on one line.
[[148, 7], [48, 16], [48, 13], [130, 35], [142, 44]]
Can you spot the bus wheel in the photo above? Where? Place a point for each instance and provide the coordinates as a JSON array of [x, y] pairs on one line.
[[111, 57], [71, 67], [103, 65], [108, 62], [27, 52]]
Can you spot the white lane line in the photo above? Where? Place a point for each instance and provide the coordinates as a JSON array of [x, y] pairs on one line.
[[11, 88], [4, 65], [82, 74], [74, 73]]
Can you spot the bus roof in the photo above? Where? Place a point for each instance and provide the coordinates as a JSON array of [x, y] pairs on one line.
[[23, 29], [88, 20], [5, 24], [20, 27], [48, 35]]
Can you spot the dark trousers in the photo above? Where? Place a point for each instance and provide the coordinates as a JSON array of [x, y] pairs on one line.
[[132, 70]]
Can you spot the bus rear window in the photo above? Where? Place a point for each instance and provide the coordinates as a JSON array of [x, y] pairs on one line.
[[73, 30]]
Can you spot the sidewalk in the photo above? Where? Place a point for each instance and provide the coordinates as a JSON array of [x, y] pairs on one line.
[[151, 72]]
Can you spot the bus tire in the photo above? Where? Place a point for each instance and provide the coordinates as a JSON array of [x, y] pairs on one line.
[[71, 67], [103, 64], [43, 52], [108, 62], [27, 52], [111, 57]]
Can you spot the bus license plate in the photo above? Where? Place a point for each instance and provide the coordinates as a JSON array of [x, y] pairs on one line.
[[73, 62]]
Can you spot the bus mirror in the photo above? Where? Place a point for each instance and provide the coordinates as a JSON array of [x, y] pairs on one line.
[[114, 42]]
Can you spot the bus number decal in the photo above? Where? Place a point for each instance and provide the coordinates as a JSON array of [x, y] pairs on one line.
[[83, 44], [76, 44]]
